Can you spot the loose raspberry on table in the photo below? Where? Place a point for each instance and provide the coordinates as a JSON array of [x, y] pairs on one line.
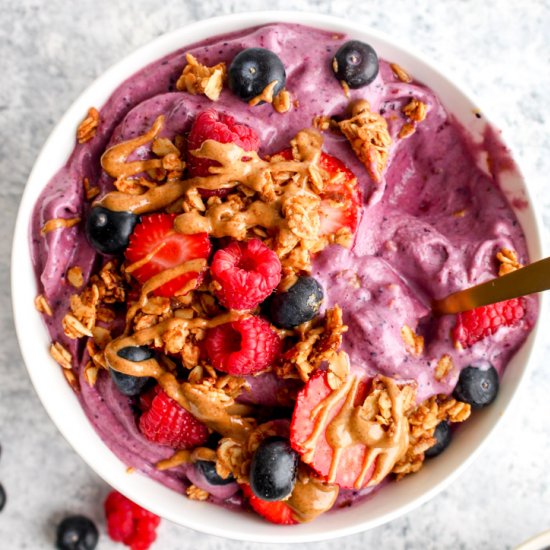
[[243, 347], [129, 523], [247, 273], [472, 326], [166, 422], [221, 128]]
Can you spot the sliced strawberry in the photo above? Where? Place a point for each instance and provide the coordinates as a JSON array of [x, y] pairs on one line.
[[275, 512], [340, 199], [148, 236], [303, 424]]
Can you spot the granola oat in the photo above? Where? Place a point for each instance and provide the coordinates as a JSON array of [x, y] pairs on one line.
[[282, 101], [408, 129], [197, 78], [444, 367], [415, 110], [422, 423], [58, 223], [90, 192], [508, 261], [41, 305], [75, 277], [61, 356], [88, 127], [414, 343], [400, 73], [369, 137], [196, 493]]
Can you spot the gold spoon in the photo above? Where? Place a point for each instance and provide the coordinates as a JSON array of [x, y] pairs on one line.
[[526, 280]]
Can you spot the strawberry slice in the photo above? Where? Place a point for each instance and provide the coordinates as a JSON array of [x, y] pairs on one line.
[[221, 128], [148, 236], [340, 199], [303, 425], [274, 511]]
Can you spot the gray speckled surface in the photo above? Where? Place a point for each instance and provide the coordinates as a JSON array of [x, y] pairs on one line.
[[51, 50]]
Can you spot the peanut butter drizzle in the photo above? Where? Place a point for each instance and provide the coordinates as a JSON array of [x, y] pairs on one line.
[[352, 425], [114, 160], [156, 281], [207, 407], [155, 198], [311, 497]]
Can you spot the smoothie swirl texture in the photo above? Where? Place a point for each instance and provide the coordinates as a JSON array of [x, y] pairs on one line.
[[433, 225]]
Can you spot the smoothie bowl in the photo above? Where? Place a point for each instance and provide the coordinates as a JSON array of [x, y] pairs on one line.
[[233, 267]]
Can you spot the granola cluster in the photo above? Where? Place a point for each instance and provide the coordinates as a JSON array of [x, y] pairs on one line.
[[422, 423]]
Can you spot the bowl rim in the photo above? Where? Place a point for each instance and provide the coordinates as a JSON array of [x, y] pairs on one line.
[[71, 428]]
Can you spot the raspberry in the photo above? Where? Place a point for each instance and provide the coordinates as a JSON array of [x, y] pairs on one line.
[[129, 523], [221, 128], [168, 423], [247, 273], [242, 347], [472, 326]]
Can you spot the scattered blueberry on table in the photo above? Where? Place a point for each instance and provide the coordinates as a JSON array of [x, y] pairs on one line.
[[77, 533]]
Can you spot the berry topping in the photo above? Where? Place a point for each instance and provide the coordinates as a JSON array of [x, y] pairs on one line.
[[340, 199], [352, 457], [127, 384], [275, 512], [273, 469], [478, 387], [129, 523], [109, 232], [208, 470], [166, 422], [252, 70], [155, 239], [77, 533], [136, 353], [246, 346], [247, 273], [443, 436], [300, 303], [474, 325], [3, 497], [221, 128], [356, 63]]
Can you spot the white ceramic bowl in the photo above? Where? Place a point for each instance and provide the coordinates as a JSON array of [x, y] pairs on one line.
[[62, 405]]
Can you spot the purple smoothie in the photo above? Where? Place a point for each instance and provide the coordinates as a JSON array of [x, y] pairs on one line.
[[409, 248]]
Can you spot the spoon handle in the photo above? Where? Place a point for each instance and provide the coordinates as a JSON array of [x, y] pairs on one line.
[[532, 278]]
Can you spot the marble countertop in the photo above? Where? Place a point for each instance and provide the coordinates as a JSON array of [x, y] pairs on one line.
[[50, 51]]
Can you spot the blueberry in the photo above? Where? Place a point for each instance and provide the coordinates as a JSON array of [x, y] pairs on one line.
[[252, 70], [136, 353], [109, 232], [77, 533], [2, 497], [478, 387], [443, 436], [273, 469], [356, 63], [300, 303], [127, 384], [208, 470]]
